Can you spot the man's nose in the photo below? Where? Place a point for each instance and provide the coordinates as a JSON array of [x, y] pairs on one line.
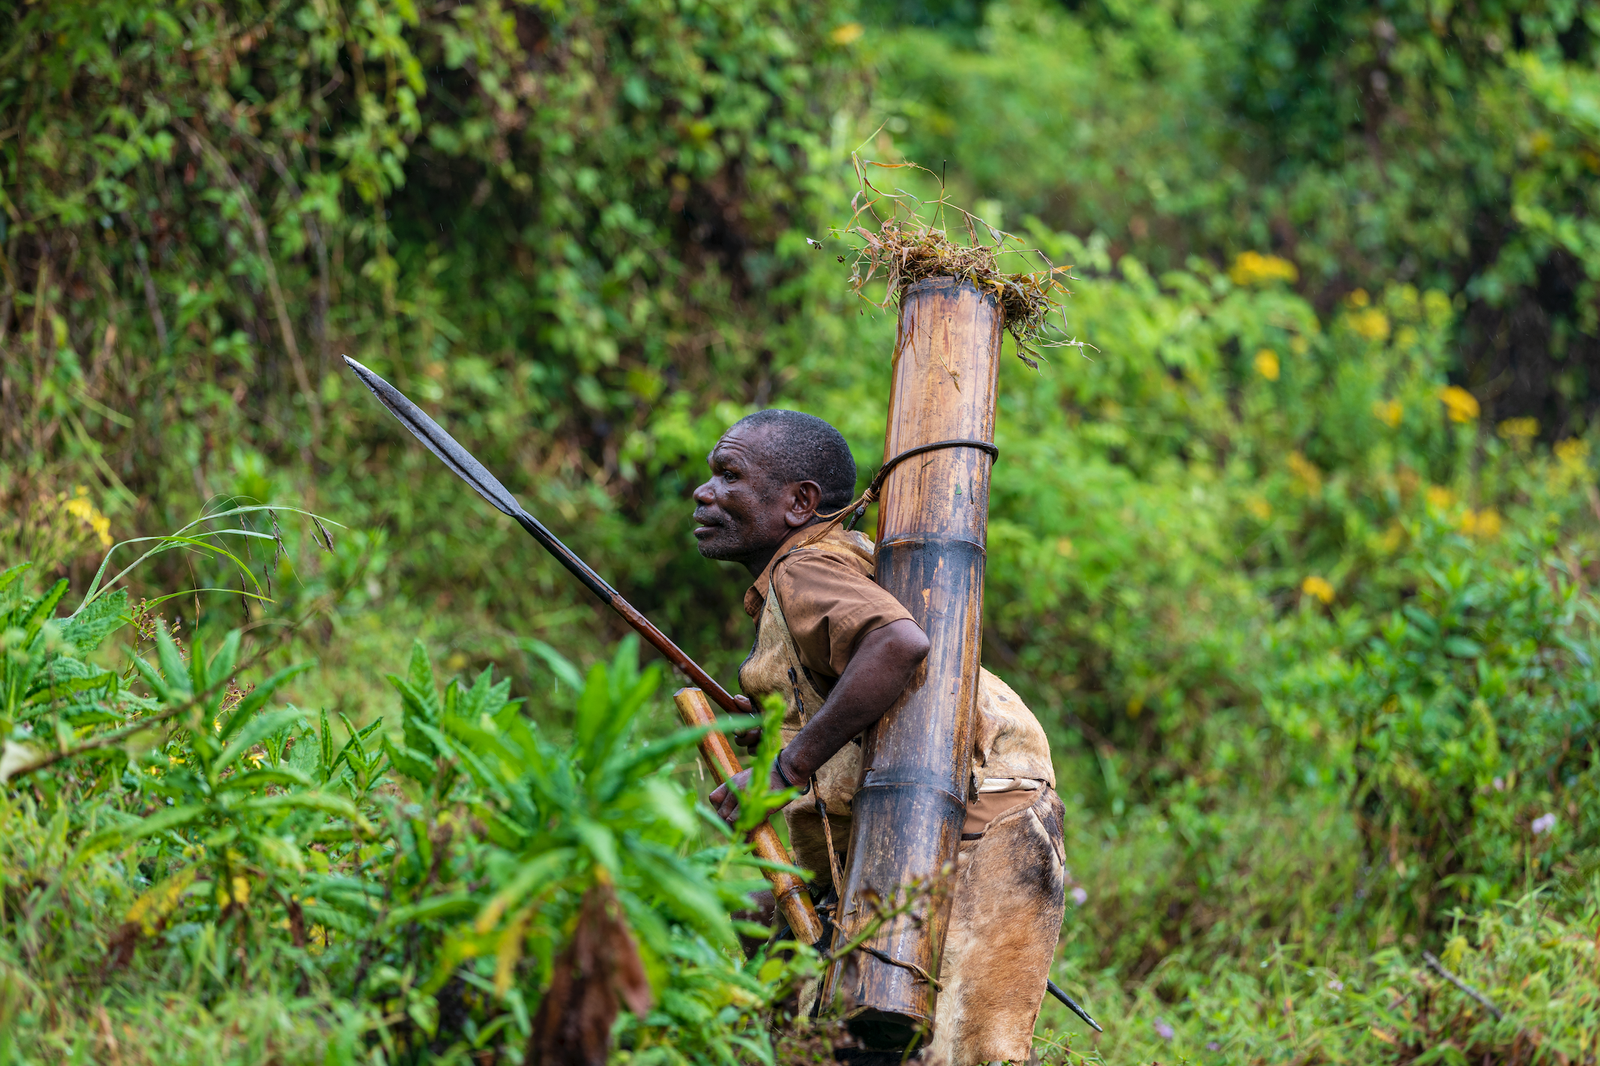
[[703, 494]]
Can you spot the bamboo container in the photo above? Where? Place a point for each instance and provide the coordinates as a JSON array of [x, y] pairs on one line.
[[794, 902], [932, 530]]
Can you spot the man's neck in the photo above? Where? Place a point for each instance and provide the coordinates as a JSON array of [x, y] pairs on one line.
[[758, 562]]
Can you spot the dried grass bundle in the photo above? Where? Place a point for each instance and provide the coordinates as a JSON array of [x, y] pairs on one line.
[[895, 243]]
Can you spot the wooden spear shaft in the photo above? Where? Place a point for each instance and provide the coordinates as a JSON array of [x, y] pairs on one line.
[[794, 902], [932, 530]]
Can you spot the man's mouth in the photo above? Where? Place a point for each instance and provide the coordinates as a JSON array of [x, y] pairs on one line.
[[705, 525]]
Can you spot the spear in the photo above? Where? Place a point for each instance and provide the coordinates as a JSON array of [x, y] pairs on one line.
[[468, 469], [714, 748]]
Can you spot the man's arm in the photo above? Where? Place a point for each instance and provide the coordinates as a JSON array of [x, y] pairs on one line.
[[878, 672]]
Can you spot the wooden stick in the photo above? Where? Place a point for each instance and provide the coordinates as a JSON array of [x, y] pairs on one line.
[[787, 889], [932, 530]]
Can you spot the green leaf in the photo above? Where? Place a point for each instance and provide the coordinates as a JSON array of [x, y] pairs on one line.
[[419, 675], [532, 876], [258, 697], [44, 609], [279, 775], [160, 822], [10, 574], [559, 664], [173, 670], [410, 762], [326, 802], [598, 841], [457, 904], [259, 728], [91, 625]]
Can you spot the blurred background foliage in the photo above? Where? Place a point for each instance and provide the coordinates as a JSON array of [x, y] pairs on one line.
[[1296, 562]]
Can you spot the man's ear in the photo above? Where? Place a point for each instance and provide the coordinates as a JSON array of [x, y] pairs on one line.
[[804, 499]]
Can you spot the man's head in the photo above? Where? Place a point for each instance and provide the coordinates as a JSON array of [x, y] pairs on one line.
[[771, 473]]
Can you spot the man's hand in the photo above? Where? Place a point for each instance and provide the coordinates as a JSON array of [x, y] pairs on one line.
[[725, 800], [748, 739]]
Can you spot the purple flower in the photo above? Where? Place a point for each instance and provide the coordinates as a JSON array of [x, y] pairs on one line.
[[1543, 824], [1212, 1045], [1163, 1030], [1078, 895]]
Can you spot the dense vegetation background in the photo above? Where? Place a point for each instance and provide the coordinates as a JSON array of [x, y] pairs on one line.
[[1296, 564]]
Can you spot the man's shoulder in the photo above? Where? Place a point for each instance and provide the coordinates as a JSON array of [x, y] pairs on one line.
[[838, 553]]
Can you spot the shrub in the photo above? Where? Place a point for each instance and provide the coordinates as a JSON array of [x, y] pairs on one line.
[[455, 886]]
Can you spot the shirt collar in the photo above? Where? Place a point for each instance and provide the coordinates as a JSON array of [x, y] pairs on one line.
[[756, 595]]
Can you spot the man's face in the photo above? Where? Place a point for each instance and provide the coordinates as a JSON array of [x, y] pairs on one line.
[[739, 513]]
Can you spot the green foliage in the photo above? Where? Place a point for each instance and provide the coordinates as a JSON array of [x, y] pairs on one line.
[[1296, 561], [413, 890], [1451, 147]]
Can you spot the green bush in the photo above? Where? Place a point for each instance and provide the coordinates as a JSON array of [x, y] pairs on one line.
[[415, 894]]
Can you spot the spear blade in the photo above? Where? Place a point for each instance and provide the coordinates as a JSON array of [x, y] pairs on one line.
[[462, 463], [440, 443]]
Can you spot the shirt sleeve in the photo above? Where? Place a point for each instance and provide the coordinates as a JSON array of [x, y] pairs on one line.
[[830, 605]]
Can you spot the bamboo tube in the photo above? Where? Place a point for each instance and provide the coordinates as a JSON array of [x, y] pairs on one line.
[[787, 889], [932, 530]]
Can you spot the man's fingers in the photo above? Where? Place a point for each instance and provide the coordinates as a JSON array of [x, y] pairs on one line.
[[745, 705], [748, 739]]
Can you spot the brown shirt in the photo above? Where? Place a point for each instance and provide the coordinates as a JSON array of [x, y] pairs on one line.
[[829, 600]]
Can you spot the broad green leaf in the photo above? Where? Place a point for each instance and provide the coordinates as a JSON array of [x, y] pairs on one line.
[[92, 624]]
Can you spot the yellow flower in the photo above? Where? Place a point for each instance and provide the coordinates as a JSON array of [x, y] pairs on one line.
[[1267, 364], [1299, 345], [1318, 587], [1370, 324], [151, 909], [1518, 429], [1572, 463], [1258, 507], [1306, 472], [1484, 524], [848, 33], [1440, 498], [1389, 412], [1253, 268], [1064, 547], [1393, 537], [1462, 405], [240, 891], [83, 509], [1572, 452]]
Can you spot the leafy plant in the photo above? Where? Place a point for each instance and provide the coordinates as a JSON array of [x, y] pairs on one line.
[[464, 884]]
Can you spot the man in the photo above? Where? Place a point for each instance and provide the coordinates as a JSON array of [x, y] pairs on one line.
[[839, 650]]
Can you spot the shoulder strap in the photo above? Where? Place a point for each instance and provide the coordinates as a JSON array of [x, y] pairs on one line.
[[796, 667]]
